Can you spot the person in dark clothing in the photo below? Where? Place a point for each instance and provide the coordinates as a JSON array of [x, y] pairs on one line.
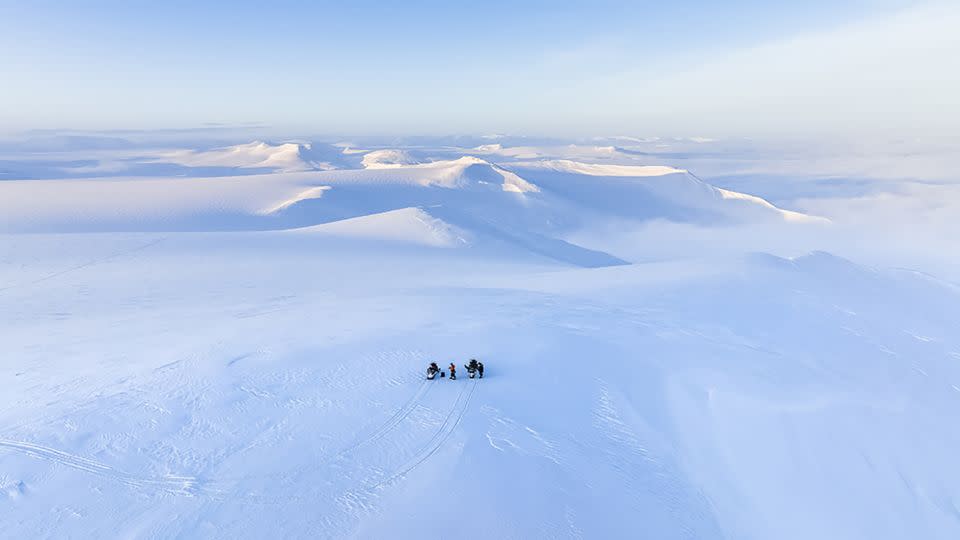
[[432, 370], [480, 368]]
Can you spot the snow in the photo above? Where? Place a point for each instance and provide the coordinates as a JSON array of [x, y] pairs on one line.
[[408, 225], [257, 154], [386, 159], [788, 215], [470, 171], [468, 185], [571, 151], [667, 188], [308, 194], [593, 169], [243, 356]]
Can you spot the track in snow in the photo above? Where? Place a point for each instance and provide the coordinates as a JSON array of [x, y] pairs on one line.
[[192, 486], [176, 485], [89, 263], [361, 498], [402, 413], [443, 433]]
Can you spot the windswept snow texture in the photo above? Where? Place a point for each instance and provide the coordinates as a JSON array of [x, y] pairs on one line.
[[244, 355]]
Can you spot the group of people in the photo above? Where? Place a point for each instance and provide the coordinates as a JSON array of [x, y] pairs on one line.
[[472, 368]]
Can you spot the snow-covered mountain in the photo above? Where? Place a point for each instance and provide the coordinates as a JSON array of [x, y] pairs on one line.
[[283, 157], [533, 206], [387, 159]]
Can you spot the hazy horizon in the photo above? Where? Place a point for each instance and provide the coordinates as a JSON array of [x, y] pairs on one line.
[[691, 69]]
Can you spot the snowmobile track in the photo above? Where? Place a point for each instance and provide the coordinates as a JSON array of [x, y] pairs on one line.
[[402, 413], [439, 438], [176, 485], [89, 263]]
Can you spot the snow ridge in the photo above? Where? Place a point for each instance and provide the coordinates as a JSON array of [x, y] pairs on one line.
[[283, 157]]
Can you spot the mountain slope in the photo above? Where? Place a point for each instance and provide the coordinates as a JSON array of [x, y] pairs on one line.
[[545, 208], [683, 397], [651, 192], [406, 225], [282, 157]]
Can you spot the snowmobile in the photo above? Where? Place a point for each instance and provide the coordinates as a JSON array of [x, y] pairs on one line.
[[471, 368], [432, 371]]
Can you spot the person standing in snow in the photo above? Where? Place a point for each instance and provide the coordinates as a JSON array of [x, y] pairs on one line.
[[453, 372], [480, 368]]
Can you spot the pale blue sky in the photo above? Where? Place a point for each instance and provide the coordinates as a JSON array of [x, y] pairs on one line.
[[603, 67]]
